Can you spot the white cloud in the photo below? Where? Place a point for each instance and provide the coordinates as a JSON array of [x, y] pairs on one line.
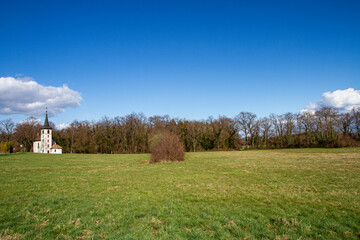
[[342, 100], [32, 120], [26, 96], [307, 111], [62, 126]]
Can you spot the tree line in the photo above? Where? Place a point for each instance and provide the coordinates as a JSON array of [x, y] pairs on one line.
[[132, 133]]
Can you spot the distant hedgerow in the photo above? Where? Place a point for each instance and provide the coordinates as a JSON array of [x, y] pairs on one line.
[[166, 147]]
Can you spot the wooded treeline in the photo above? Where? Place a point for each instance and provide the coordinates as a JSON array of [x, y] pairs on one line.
[[132, 133]]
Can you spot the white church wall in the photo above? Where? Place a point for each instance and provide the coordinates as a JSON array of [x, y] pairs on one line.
[[37, 147], [56, 151]]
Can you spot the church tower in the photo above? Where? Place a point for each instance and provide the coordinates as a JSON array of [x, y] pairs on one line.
[[44, 143], [46, 136]]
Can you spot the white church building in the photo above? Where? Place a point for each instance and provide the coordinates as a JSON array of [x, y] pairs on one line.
[[44, 142]]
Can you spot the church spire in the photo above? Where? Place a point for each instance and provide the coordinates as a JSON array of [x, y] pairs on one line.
[[46, 123]]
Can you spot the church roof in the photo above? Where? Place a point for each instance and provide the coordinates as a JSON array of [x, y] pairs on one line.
[[55, 146], [46, 123]]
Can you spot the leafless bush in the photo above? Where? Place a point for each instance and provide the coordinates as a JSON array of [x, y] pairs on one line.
[[166, 147]]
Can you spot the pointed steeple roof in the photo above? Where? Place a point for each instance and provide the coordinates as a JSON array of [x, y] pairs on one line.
[[46, 123]]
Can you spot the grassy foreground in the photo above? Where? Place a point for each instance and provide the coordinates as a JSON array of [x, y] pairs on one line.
[[274, 194]]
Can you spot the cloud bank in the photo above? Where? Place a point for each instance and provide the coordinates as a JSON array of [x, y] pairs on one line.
[[26, 96], [62, 126], [341, 100]]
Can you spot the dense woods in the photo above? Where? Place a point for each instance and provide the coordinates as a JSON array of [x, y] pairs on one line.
[[132, 133]]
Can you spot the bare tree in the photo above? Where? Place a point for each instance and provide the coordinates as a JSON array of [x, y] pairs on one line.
[[289, 123], [194, 131], [210, 134], [247, 123], [327, 122], [307, 122], [356, 121], [229, 132], [345, 122], [136, 132], [279, 127], [265, 130], [159, 122], [7, 127], [27, 131]]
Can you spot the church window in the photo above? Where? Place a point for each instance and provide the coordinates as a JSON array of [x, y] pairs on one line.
[[48, 131]]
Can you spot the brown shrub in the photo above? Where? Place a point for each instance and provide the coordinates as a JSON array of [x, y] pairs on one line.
[[166, 147]]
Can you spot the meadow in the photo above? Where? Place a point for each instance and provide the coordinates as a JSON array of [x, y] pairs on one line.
[[267, 194]]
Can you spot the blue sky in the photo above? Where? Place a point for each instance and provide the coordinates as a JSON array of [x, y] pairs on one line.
[[188, 59]]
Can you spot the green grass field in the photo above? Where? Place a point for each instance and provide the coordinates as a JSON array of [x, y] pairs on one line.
[[272, 194]]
